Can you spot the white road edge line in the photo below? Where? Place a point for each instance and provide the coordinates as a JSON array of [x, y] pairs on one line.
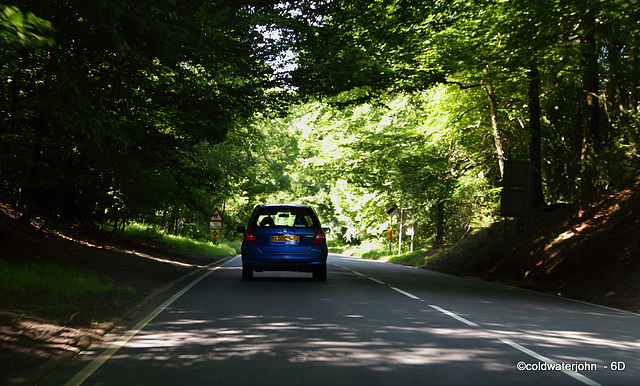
[[451, 314], [542, 358], [94, 365]]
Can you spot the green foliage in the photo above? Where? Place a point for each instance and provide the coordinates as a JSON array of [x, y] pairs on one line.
[[159, 111], [357, 161], [487, 49], [23, 30], [397, 137], [108, 124]]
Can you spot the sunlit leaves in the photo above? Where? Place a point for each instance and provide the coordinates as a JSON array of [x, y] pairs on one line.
[[24, 29], [406, 149]]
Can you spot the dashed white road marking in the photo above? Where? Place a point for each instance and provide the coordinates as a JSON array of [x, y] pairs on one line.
[[361, 274], [459, 318], [405, 293], [456, 317], [542, 358]]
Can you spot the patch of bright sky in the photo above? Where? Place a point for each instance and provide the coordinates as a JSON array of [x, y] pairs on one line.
[[285, 61]]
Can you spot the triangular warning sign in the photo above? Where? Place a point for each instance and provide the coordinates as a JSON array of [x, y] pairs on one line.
[[216, 216]]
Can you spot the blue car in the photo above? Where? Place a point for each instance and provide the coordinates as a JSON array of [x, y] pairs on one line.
[[284, 237]]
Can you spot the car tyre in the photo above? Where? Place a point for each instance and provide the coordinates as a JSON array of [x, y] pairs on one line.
[[320, 274], [247, 273]]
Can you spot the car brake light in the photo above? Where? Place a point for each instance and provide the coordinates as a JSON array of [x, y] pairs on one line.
[[320, 237], [249, 236]]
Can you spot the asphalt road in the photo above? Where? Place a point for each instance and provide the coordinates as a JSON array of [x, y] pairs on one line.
[[371, 323]]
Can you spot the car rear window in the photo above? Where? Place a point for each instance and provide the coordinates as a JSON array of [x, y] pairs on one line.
[[285, 217]]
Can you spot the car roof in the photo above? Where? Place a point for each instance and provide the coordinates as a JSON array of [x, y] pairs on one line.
[[283, 206]]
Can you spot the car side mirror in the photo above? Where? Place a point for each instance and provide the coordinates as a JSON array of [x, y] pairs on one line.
[[241, 229]]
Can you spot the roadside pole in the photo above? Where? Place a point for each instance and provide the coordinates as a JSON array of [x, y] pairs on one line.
[[400, 231]]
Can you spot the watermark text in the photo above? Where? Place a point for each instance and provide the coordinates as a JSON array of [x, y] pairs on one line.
[[570, 366]]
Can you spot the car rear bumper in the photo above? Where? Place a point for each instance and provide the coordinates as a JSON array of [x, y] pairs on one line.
[[256, 260]]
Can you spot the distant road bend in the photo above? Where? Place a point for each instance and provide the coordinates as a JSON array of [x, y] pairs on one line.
[[371, 323]]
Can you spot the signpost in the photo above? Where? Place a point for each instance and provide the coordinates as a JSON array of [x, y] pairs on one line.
[[405, 226], [515, 200], [215, 224], [516, 193]]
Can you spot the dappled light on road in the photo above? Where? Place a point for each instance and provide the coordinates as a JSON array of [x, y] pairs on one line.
[[372, 324], [303, 341]]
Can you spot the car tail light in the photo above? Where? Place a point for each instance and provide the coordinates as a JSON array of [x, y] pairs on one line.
[[249, 236], [320, 237]]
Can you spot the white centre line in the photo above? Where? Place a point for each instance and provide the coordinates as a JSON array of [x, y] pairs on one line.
[[542, 358], [362, 275], [523, 349], [451, 314], [405, 293], [376, 280]]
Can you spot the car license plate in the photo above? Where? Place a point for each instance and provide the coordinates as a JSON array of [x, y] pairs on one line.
[[285, 239]]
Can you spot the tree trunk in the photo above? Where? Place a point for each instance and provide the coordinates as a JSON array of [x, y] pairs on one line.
[[635, 85], [616, 102], [439, 223], [591, 140], [13, 90], [634, 94], [497, 138], [537, 196]]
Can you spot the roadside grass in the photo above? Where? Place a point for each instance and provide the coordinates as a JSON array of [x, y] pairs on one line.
[[425, 258], [204, 248], [67, 293], [341, 250], [415, 259], [367, 250], [183, 244], [467, 255], [55, 290]]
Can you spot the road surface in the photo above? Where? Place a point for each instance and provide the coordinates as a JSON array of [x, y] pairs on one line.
[[371, 323]]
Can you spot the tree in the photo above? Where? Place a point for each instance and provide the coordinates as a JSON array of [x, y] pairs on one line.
[[103, 124]]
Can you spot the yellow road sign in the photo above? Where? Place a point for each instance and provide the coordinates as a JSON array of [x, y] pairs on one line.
[[215, 233]]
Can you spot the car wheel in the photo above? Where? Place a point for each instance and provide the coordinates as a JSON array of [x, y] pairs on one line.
[[247, 273], [320, 274]]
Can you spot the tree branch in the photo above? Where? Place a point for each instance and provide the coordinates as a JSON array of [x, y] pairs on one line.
[[462, 86]]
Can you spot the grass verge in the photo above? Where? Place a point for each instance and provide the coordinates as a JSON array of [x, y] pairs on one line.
[[373, 250], [183, 244], [467, 255], [50, 289]]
